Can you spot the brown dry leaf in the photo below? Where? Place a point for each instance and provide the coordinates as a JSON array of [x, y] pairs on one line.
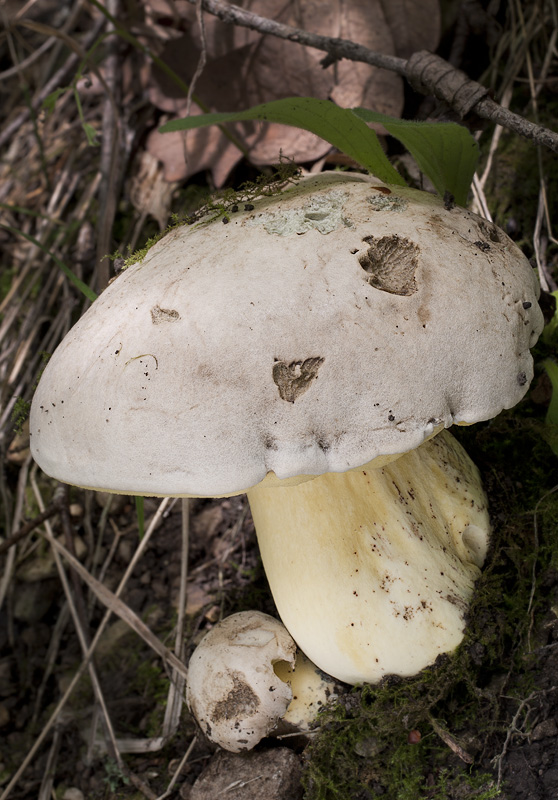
[[197, 597], [244, 68], [150, 192], [206, 523], [184, 154], [414, 24]]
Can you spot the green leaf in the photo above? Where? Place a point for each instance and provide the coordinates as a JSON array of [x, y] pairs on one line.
[[91, 134], [338, 126], [50, 100], [444, 151]]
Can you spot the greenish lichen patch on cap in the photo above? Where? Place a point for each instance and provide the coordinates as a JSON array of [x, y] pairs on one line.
[[323, 213], [382, 202]]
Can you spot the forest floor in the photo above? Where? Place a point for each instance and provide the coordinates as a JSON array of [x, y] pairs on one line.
[[83, 173]]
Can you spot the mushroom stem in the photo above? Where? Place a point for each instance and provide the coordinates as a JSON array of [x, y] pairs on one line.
[[372, 570]]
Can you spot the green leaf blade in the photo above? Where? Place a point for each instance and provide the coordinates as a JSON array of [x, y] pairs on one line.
[[445, 151], [338, 126]]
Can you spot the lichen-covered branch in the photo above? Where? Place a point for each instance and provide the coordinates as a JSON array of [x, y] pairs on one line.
[[426, 72]]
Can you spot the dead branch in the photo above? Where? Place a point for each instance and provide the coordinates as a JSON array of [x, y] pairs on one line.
[[52, 509], [426, 72]]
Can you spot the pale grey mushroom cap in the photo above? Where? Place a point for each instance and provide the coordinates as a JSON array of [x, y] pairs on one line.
[[335, 322]]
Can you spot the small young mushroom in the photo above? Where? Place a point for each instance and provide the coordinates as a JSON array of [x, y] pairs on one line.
[[324, 332], [242, 681]]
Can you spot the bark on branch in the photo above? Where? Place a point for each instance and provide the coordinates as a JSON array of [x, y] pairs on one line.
[[427, 73]]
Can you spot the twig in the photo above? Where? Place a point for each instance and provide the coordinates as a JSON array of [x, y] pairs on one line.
[[52, 509], [451, 741], [17, 514], [176, 688], [426, 72], [111, 153], [530, 612], [512, 728], [178, 770], [45, 792], [82, 667]]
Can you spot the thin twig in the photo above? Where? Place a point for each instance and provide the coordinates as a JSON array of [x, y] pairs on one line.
[[451, 741], [427, 73], [52, 509], [512, 728], [176, 689], [111, 153], [83, 666], [178, 770]]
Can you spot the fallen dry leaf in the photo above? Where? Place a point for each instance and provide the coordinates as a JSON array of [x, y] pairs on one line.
[[244, 68], [150, 192], [414, 24]]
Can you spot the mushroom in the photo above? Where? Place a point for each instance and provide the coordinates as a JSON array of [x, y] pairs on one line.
[[246, 680], [325, 331], [233, 691]]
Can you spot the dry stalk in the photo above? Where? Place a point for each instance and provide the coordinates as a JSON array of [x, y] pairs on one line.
[[77, 613], [513, 728], [54, 717]]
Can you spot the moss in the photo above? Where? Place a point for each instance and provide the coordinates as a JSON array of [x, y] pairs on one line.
[[20, 412], [222, 205]]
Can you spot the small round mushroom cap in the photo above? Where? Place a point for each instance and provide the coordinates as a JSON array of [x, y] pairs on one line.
[[233, 690], [327, 325]]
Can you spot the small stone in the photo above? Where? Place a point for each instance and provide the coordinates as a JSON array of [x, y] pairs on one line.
[[213, 614], [73, 794], [159, 589], [4, 716], [116, 502], [544, 729], [125, 551], [368, 747], [34, 600], [270, 774]]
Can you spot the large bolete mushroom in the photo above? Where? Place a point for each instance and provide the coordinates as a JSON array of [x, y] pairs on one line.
[[324, 331]]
